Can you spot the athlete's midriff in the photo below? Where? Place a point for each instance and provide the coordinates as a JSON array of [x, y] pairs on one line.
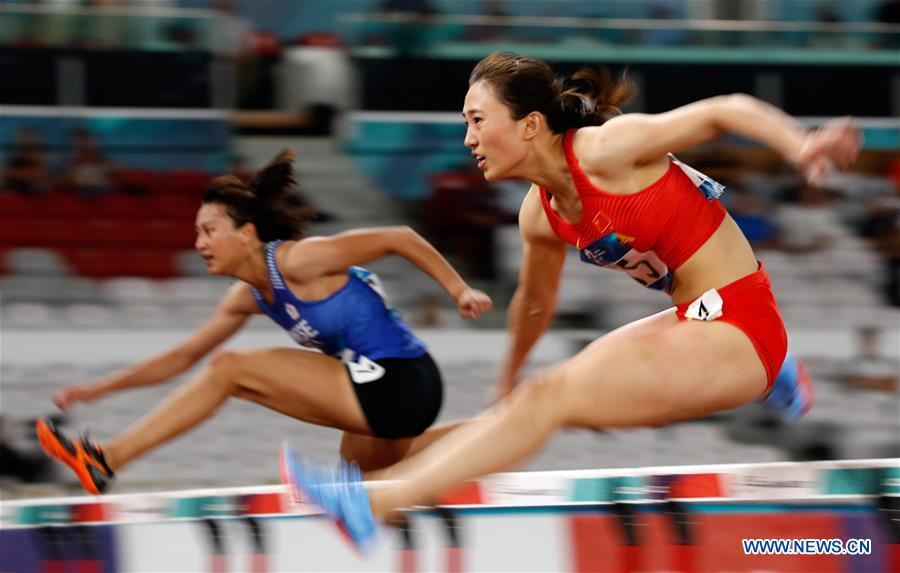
[[723, 259], [670, 217]]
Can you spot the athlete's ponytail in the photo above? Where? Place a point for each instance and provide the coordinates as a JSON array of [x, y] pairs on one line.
[[270, 200], [588, 97], [525, 84], [275, 178]]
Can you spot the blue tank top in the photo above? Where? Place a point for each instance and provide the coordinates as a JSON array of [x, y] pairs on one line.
[[355, 322]]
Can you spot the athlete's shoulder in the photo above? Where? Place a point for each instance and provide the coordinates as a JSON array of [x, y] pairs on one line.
[[533, 224], [239, 299], [531, 204], [285, 249], [290, 256], [602, 149]]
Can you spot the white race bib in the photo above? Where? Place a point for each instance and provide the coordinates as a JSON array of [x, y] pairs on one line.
[[362, 370], [707, 307]]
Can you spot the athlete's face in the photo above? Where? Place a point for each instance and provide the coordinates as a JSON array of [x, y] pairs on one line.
[[218, 241], [493, 136]]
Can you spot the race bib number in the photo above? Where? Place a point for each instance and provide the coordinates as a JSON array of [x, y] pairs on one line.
[[362, 370], [707, 307], [644, 267]]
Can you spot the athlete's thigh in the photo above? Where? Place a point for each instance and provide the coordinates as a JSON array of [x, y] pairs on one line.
[[305, 385], [372, 453], [660, 370]]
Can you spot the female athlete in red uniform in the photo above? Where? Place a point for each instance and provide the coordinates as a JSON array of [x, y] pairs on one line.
[[608, 184]]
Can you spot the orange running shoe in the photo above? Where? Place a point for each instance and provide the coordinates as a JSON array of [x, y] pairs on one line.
[[83, 456]]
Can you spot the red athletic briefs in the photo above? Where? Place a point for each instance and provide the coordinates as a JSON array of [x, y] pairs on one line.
[[748, 303]]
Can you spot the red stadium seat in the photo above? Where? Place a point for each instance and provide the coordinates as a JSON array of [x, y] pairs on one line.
[[95, 262], [104, 232], [13, 204], [134, 181], [114, 262], [121, 206], [167, 233], [68, 205], [29, 232], [158, 263], [190, 183], [893, 171], [173, 207]]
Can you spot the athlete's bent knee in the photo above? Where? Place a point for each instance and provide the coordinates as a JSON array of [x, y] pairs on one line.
[[544, 396], [223, 367]]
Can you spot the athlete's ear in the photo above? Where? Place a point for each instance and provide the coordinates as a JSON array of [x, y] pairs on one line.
[[533, 124], [248, 233]]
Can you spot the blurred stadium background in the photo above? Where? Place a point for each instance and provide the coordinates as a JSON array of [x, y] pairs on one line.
[[114, 114]]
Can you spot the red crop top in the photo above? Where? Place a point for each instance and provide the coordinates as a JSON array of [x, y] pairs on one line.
[[648, 233]]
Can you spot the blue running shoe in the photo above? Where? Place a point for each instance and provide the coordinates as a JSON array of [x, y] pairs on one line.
[[792, 392], [290, 469], [341, 494]]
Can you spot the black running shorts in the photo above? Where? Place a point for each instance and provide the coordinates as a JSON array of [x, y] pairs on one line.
[[404, 400]]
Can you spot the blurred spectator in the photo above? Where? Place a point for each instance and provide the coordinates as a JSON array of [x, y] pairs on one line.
[[750, 213], [664, 10], [889, 247], [182, 34], [460, 217], [495, 8], [880, 218], [490, 32], [26, 170], [881, 225], [827, 13], [419, 7], [870, 369], [255, 70], [807, 221], [409, 38], [103, 30], [233, 33], [87, 172], [431, 311], [888, 12]]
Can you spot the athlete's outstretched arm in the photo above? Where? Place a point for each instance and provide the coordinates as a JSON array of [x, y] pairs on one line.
[[233, 310], [534, 302], [319, 256], [636, 138]]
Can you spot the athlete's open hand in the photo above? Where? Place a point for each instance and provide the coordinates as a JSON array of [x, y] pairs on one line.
[[68, 396], [835, 144], [473, 303]]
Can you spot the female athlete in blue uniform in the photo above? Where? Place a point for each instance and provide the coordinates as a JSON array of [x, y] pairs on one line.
[[373, 378]]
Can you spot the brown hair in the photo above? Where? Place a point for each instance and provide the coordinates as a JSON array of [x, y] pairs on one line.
[[524, 84], [270, 200]]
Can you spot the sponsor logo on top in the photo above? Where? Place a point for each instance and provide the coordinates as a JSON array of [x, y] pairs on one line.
[[518, 489], [773, 483]]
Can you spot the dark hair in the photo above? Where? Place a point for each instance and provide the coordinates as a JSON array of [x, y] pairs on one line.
[[524, 84], [270, 200]]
